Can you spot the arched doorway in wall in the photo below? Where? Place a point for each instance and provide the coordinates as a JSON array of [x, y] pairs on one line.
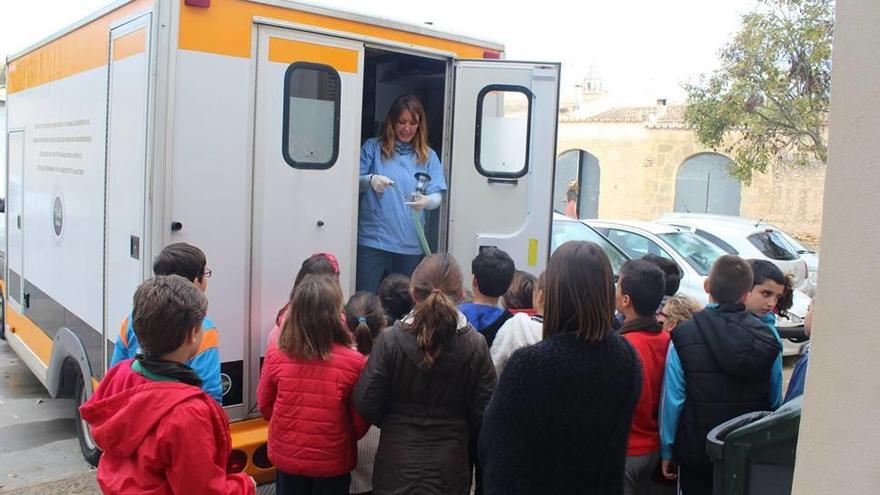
[[704, 185], [581, 169]]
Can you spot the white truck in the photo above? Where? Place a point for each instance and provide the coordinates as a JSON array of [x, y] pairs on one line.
[[236, 125]]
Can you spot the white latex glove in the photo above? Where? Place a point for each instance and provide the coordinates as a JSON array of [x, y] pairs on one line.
[[420, 203], [379, 183], [425, 202]]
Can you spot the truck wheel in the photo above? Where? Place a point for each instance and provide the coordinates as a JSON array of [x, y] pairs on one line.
[[2, 317], [87, 445]]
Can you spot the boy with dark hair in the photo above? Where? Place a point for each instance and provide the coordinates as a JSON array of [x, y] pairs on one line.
[[671, 273], [189, 262], [493, 271], [718, 367], [639, 292], [771, 294], [158, 431]]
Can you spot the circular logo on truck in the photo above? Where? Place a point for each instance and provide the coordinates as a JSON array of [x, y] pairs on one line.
[[225, 384], [57, 216]]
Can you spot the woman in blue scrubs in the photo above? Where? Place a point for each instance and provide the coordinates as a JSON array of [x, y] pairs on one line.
[[387, 238]]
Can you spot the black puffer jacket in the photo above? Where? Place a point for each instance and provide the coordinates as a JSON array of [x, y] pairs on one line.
[[726, 355], [426, 414], [560, 418]]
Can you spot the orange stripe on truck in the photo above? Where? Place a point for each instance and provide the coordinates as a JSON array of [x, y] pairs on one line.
[[130, 44], [35, 338], [78, 51], [226, 28], [289, 51]]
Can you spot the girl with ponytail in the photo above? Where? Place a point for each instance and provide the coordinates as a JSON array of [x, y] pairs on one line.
[[365, 318], [426, 383]]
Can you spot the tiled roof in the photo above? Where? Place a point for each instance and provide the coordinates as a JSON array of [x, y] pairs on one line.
[[672, 117]]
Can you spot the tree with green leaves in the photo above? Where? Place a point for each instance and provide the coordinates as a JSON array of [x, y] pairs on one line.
[[769, 99]]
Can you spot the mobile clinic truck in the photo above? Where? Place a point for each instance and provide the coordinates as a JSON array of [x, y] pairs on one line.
[[236, 125]]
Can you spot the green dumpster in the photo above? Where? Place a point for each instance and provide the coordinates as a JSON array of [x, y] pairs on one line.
[[754, 454]]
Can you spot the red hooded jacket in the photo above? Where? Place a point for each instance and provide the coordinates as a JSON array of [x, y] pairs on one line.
[[160, 437], [313, 425]]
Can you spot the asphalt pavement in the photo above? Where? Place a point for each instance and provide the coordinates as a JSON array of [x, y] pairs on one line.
[[38, 441]]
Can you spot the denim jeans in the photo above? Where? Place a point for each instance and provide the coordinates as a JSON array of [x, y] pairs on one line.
[[374, 264], [291, 484]]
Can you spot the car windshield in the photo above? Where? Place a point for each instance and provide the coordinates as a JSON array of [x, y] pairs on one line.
[[699, 253], [564, 231], [773, 245]]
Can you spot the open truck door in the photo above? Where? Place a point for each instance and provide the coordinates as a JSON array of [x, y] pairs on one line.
[[503, 156], [306, 159]]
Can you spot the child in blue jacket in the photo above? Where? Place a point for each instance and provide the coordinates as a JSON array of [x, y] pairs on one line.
[[190, 263]]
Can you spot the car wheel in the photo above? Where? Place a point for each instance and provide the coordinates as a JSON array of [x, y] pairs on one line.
[[87, 445]]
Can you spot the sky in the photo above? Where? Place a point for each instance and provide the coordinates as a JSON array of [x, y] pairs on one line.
[[644, 49]]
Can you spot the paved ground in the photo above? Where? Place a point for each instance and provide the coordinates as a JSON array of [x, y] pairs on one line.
[[37, 434]]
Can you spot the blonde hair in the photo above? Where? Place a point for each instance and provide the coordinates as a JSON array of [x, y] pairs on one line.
[[420, 141], [680, 308]]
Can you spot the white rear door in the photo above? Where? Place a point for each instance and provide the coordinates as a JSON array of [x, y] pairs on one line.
[[14, 204], [127, 112], [306, 155], [503, 156]]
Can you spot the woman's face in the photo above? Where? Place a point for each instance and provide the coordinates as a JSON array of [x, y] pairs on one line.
[[406, 126], [667, 322]]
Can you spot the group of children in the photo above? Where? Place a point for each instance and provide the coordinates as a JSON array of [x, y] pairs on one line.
[[609, 381]]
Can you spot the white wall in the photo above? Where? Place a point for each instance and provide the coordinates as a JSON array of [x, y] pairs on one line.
[[839, 445]]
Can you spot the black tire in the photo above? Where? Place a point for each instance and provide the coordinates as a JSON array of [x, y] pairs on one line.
[[2, 317], [87, 445]]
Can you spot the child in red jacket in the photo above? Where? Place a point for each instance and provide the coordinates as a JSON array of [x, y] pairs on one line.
[[305, 393], [639, 292], [159, 431]]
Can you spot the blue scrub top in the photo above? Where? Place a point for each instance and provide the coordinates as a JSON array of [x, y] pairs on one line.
[[384, 221]]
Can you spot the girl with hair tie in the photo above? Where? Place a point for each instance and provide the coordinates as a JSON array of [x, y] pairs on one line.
[[426, 384]]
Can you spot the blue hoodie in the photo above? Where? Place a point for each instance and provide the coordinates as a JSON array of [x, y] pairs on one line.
[[485, 319], [206, 362]]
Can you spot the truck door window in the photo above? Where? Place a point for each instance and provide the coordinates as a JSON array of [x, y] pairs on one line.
[[310, 137], [503, 128]]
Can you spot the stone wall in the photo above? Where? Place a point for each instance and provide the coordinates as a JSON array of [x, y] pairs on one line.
[[639, 164]]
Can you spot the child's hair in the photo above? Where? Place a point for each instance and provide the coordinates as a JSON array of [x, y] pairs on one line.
[[579, 292], [493, 269], [395, 296], [642, 281], [436, 287], [365, 319], [671, 272], [519, 295], [764, 270], [680, 308], [181, 259], [314, 320], [730, 278], [316, 264], [166, 309]]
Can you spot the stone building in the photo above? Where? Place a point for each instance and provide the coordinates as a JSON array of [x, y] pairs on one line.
[[641, 162]]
